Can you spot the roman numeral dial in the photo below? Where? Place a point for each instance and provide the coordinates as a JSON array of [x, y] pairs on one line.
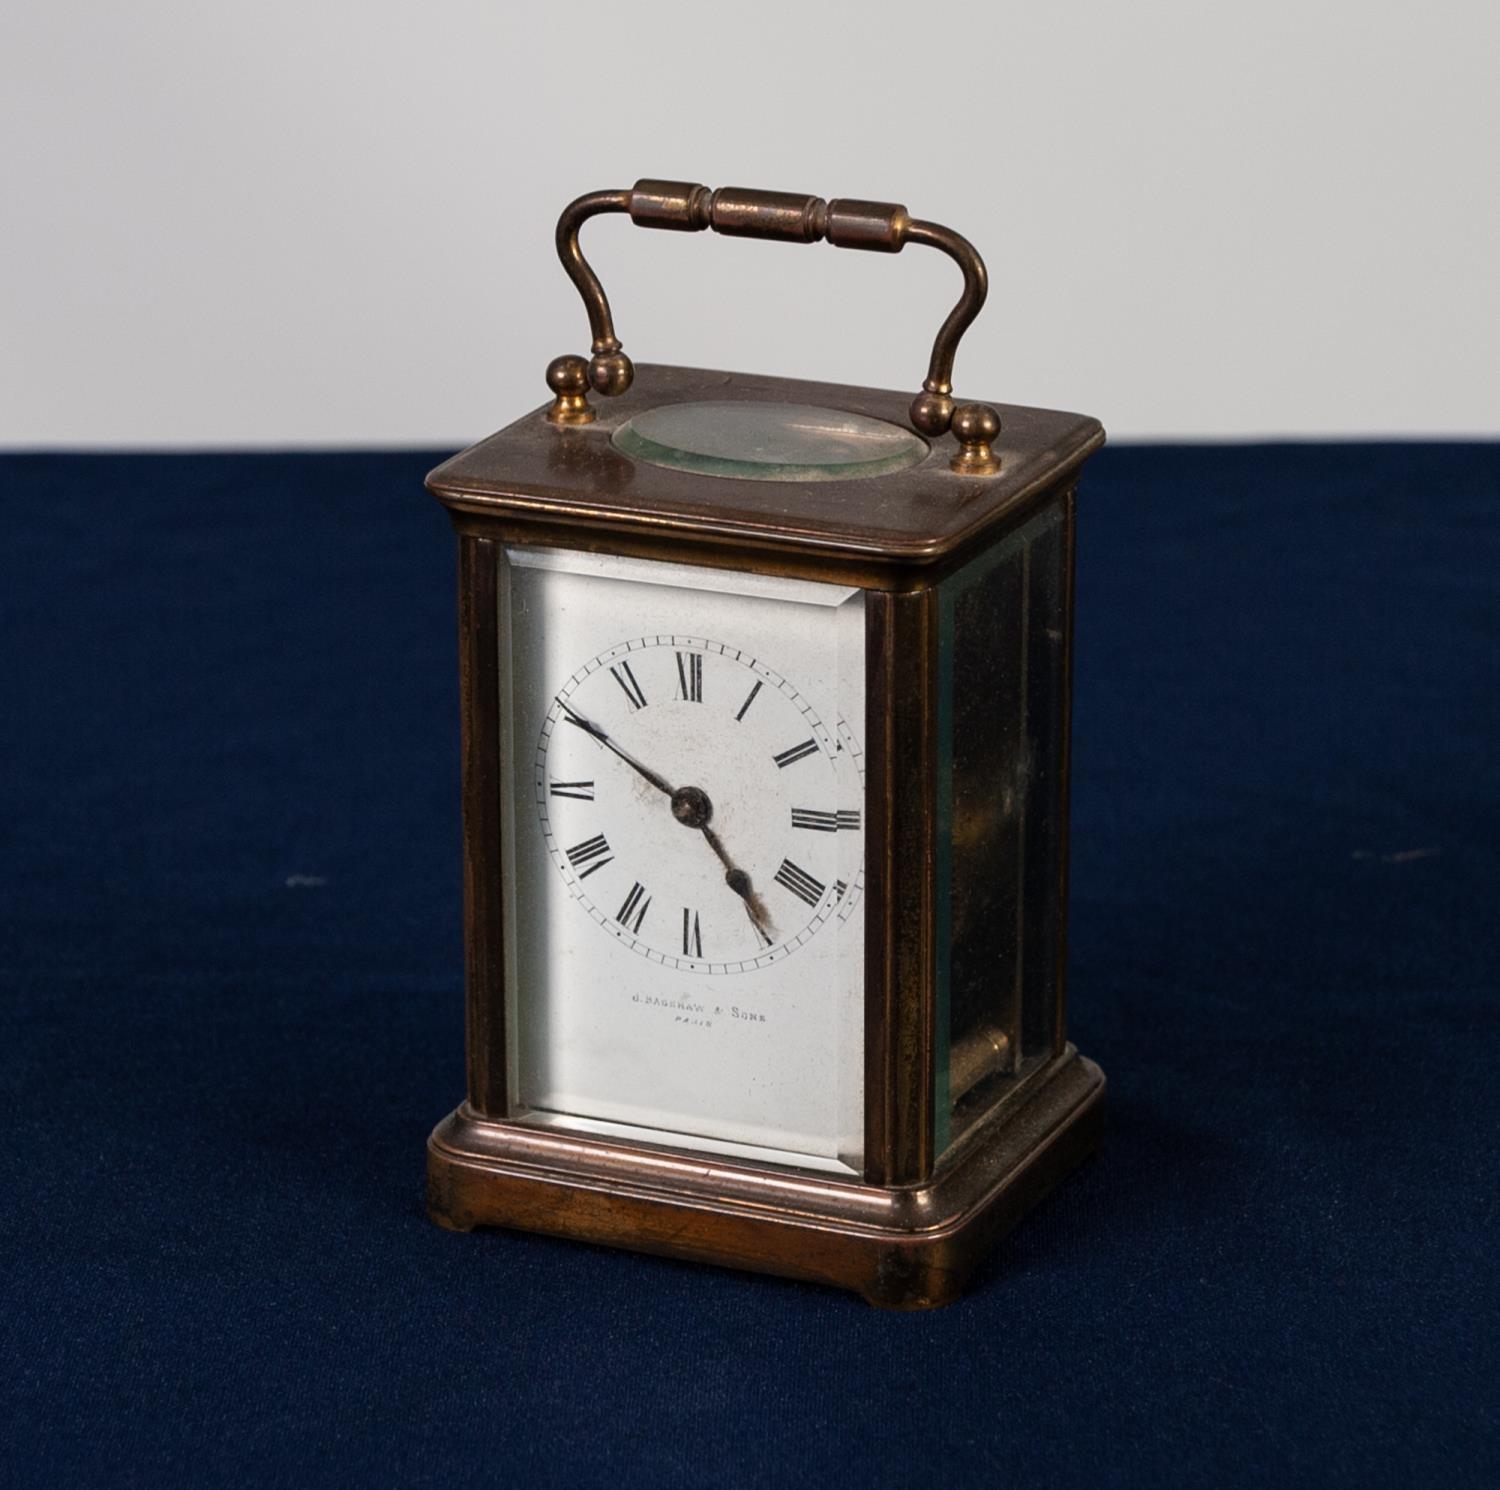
[[699, 806]]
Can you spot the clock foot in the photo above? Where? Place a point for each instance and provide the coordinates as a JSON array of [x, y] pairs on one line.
[[441, 1211]]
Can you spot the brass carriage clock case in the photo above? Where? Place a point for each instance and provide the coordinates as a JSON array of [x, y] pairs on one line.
[[894, 1087]]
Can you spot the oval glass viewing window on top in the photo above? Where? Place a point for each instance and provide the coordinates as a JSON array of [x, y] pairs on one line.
[[769, 441]]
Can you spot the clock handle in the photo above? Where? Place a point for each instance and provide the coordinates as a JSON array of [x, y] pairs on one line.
[[685, 207]]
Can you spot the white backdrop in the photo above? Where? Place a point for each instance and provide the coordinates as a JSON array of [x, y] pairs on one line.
[[328, 222]]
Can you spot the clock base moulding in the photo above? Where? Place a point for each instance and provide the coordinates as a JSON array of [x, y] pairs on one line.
[[907, 1247]]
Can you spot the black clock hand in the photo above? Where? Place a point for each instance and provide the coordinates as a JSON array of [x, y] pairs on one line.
[[691, 808], [590, 728], [739, 882]]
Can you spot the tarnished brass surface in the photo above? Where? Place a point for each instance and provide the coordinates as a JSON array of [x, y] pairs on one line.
[[571, 486], [976, 427], [568, 378], [688, 207], [483, 763], [901, 688], [901, 1247], [932, 1197], [880, 227], [740, 213]]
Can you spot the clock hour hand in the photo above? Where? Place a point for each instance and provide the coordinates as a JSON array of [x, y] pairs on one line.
[[692, 808], [603, 737], [739, 882]]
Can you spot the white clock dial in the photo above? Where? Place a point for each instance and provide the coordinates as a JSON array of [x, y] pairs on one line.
[[683, 839], [690, 797]]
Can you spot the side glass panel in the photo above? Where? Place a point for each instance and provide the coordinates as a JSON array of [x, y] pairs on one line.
[[683, 831], [1002, 751]]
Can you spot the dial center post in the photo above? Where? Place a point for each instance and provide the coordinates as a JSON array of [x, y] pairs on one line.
[[691, 807]]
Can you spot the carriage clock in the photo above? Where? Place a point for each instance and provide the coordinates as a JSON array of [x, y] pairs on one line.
[[765, 693]]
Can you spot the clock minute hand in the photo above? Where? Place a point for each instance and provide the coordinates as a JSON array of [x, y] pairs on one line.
[[604, 738]]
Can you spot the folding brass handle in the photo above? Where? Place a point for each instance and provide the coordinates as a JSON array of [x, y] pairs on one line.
[[684, 206]]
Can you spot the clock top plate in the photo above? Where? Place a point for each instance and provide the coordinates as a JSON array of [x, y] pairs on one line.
[[580, 479]]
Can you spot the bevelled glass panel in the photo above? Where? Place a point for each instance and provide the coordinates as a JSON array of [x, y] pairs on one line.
[[1002, 751], [666, 984], [769, 441]]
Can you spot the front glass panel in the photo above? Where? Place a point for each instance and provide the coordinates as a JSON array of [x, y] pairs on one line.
[[1002, 747], [684, 830]]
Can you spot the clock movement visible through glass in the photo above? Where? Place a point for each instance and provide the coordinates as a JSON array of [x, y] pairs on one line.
[[685, 847]]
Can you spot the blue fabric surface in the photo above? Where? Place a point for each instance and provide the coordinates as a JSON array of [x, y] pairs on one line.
[[230, 953]]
